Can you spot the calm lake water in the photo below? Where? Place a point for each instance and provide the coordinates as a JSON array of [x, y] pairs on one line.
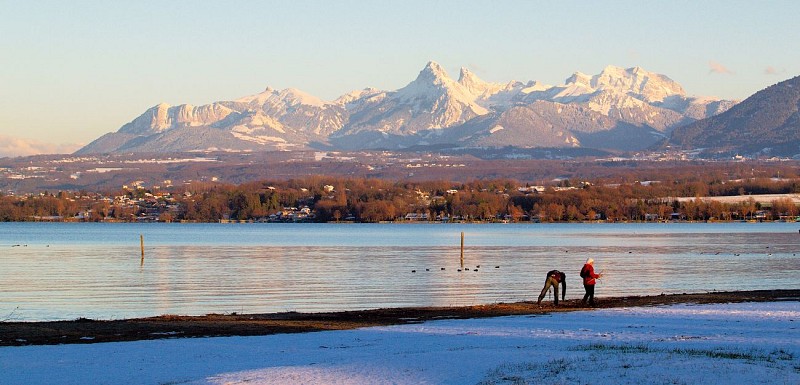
[[60, 271]]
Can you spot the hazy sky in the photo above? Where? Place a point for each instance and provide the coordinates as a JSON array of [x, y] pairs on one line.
[[72, 71]]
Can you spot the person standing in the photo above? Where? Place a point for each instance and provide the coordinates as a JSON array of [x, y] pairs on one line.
[[554, 278], [589, 280]]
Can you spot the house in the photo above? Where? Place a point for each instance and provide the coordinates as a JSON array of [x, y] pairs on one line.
[[416, 217]]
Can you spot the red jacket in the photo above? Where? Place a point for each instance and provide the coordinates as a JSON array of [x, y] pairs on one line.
[[587, 272]]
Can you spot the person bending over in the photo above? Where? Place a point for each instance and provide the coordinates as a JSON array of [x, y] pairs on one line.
[[554, 278]]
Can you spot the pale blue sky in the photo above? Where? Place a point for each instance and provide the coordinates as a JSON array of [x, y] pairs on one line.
[[74, 70]]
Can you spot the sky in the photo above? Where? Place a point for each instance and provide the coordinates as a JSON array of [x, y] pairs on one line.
[[73, 71], [731, 344]]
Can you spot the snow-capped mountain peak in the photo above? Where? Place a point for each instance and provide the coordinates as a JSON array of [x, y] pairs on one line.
[[357, 95], [431, 81], [580, 79], [637, 82], [433, 72], [431, 109], [468, 79], [296, 96], [477, 86], [290, 96], [433, 85]]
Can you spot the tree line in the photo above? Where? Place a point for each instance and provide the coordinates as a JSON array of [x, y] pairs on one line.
[[328, 199]]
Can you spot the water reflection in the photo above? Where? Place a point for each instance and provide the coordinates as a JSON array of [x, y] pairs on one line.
[[66, 276]]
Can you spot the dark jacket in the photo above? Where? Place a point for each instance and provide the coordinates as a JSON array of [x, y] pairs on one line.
[[560, 278]]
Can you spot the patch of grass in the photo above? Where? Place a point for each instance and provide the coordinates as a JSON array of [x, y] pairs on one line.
[[524, 373], [721, 353], [751, 355], [782, 355], [624, 348], [177, 382], [639, 363], [558, 366]]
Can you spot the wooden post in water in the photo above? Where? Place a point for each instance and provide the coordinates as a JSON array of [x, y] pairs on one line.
[[462, 249], [141, 242]]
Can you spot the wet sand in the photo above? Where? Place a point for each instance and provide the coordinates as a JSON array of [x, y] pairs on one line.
[[174, 326]]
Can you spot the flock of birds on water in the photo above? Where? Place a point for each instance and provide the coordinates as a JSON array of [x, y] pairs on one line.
[[567, 251], [465, 269]]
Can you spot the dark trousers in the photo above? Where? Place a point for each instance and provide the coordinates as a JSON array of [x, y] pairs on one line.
[[589, 294], [550, 282]]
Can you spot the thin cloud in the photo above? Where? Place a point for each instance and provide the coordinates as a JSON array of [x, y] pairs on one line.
[[717, 68], [770, 70], [13, 147]]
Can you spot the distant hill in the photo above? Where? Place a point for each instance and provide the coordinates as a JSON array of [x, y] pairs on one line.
[[765, 124], [618, 109]]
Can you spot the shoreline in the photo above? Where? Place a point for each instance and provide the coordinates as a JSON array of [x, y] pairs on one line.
[[82, 331], [415, 222]]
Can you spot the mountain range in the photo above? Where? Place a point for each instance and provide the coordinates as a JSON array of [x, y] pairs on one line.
[[619, 109], [763, 125]]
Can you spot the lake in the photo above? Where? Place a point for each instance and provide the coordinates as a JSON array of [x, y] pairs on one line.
[[62, 271]]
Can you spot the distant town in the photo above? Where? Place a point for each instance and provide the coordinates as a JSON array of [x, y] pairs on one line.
[[364, 187]]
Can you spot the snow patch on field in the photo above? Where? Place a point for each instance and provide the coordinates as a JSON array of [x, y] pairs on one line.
[[742, 343]]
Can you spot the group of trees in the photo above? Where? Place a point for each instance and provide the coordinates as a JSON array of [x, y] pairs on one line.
[[374, 200], [16, 209]]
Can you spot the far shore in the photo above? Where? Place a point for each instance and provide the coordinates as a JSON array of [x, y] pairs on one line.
[[83, 331], [794, 219]]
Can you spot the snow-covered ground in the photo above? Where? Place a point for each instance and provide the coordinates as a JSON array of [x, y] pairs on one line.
[[748, 343]]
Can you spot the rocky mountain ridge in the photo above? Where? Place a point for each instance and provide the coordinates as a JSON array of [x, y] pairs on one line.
[[617, 109], [763, 125]]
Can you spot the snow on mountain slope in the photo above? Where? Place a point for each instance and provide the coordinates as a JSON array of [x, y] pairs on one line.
[[432, 101], [551, 124], [649, 87], [433, 108], [270, 120], [634, 111], [164, 117], [289, 96], [353, 99], [496, 96], [435, 95]]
